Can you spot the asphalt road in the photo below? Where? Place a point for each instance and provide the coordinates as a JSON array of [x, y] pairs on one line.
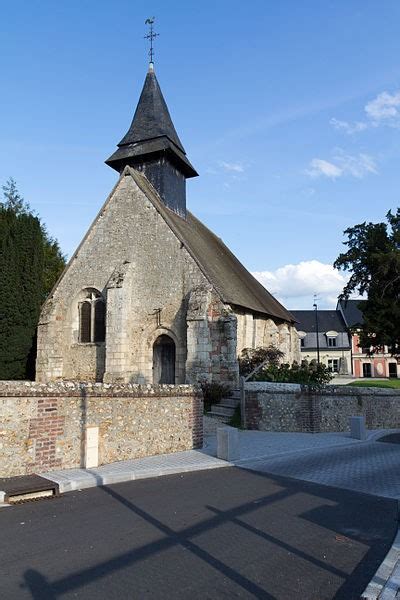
[[224, 533]]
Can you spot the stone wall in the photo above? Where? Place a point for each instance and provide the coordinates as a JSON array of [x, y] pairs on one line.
[[43, 426], [254, 330], [288, 407], [211, 339]]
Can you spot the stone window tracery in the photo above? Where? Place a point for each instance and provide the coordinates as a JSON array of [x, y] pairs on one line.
[[92, 313]]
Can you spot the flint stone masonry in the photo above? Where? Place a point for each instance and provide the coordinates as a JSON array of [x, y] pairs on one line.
[[152, 285], [291, 407], [43, 426]]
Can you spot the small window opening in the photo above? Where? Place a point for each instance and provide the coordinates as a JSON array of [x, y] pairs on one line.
[[92, 314]]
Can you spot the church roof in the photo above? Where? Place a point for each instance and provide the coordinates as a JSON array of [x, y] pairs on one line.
[[231, 279], [152, 131]]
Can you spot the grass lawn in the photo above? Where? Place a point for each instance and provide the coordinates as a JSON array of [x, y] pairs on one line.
[[382, 383]]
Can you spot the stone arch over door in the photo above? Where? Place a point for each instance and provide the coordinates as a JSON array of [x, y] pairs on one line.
[[164, 359]]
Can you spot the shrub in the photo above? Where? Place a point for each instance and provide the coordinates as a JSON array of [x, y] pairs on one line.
[[250, 358], [313, 374]]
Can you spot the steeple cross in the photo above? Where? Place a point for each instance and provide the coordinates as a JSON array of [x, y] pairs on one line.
[[151, 36]]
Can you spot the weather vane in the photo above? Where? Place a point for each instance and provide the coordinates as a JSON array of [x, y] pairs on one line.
[[151, 36]]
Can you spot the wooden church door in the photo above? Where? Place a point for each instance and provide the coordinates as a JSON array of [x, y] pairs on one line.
[[164, 360]]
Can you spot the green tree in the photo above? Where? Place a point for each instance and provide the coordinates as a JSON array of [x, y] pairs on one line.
[[373, 258], [13, 200], [30, 263]]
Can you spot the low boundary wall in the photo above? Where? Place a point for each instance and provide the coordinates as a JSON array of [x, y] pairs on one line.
[[291, 407], [45, 426]]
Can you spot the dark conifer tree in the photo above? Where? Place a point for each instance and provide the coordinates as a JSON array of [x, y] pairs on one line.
[[30, 263]]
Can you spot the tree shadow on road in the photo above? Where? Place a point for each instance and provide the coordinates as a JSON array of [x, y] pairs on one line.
[[319, 535]]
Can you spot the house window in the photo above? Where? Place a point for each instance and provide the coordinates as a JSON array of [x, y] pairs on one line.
[[331, 342], [302, 343], [333, 365], [92, 315]]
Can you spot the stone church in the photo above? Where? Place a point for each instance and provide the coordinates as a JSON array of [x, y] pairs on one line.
[[151, 295]]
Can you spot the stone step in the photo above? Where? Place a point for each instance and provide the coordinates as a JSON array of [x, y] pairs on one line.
[[231, 402], [235, 394], [225, 411], [223, 420]]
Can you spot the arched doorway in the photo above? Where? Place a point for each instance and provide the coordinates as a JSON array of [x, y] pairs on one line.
[[164, 360]]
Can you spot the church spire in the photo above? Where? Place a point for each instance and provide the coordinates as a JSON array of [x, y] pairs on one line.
[[151, 145]]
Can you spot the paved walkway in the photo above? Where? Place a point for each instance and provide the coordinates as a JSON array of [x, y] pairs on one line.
[[127, 470], [369, 467], [255, 444], [333, 459]]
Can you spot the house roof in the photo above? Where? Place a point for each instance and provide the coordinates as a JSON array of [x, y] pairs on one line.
[[328, 320], [351, 312], [151, 132], [233, 282]]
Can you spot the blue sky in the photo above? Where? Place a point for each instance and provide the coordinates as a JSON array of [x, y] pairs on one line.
[[290, 112]]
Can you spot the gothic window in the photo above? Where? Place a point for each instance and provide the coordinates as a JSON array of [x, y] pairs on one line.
[[92, 315], [99, 321], [85, 328]]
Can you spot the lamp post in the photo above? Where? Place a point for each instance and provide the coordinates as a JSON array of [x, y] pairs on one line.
[[315, 305]]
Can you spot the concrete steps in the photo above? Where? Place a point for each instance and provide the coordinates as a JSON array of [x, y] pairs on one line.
[[224, 410]]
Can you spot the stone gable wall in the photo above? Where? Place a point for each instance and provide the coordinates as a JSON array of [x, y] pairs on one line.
[[43, 426], [134, 259], [288, 407]]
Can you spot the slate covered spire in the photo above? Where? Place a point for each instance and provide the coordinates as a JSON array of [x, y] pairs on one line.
[[152, 146]]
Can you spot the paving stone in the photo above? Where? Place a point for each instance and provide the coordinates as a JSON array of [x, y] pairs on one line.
[[150, 466]]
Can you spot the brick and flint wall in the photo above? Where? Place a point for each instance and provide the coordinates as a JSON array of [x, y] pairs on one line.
[[289, 407], [43, 426]]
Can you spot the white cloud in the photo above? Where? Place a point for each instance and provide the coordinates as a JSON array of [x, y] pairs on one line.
[[347, 127], [320, 167], [235, 167], [295, 284], [343, 164], [384, 108]]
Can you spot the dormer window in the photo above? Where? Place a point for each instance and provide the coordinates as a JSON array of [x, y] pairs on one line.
[[331, 337], [92, 318]]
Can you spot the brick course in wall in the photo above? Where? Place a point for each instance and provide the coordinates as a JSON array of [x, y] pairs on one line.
[[43, 426], [289, 407]]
